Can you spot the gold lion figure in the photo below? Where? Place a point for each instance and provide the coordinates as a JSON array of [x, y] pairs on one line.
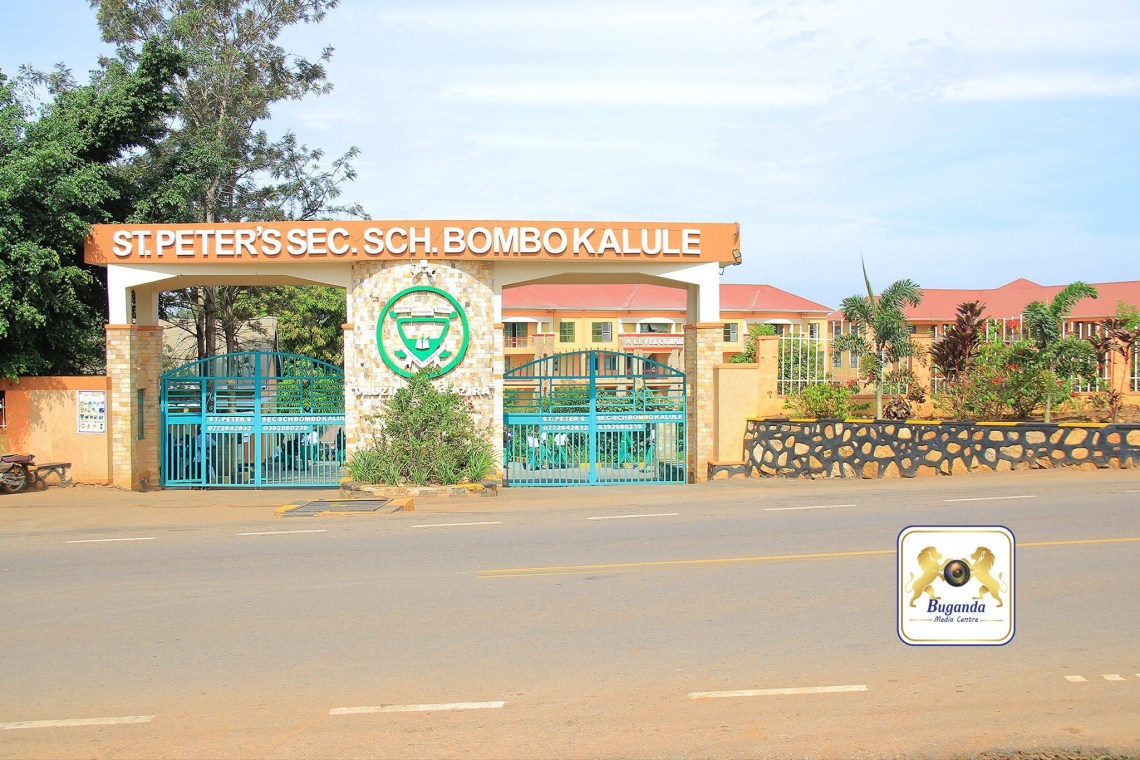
[[983, 563], [931, 563]]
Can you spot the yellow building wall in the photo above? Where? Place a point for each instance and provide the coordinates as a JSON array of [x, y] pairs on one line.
[[41, 420]]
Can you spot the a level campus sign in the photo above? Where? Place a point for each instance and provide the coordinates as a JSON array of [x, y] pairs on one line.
[[298, 242]]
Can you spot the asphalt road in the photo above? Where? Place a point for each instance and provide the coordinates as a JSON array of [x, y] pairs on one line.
[[557, 635]]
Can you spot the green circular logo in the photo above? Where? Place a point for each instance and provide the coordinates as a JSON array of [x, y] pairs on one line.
[[422, 327]]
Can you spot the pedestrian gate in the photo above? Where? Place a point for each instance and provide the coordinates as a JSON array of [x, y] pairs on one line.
[[252, 420], [593, 418]]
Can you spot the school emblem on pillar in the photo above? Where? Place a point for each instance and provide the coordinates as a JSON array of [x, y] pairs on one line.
[[422, 327]]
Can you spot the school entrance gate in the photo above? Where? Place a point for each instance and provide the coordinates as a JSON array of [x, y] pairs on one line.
[[252, 420], [593, 418]]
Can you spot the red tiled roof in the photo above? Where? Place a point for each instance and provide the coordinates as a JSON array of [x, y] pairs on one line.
[[940, 305], [748, 298]]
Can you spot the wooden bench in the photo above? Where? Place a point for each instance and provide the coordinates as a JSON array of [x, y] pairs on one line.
[[60, 470]]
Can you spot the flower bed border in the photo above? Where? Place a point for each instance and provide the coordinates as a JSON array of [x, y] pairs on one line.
[[865, 448], [350, 488]]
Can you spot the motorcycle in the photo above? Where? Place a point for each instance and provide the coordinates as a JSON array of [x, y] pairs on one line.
[[15, 472]]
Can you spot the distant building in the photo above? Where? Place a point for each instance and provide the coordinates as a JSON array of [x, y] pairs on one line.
[[1003, 309], [640, 319], [1005, 304]]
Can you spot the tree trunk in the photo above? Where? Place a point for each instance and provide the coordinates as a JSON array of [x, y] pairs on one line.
[[1048, 406], [199, 323], [227, 294], [879, 389], [210, 318]]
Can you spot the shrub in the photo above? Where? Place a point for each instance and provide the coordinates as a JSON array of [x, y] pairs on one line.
[[824, 400], [749, 355], [901, 407], [1010, 380], [364, 466], [426, 435], [954, 352]]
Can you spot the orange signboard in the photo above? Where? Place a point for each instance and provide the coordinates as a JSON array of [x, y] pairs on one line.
[[348, 241]]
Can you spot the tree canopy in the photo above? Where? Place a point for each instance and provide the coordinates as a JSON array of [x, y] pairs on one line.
[[882, 333], [60, 172], [1044, 323], [218, 164]]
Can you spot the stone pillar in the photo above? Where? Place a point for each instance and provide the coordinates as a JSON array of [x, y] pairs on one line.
[[352, 367], [496, 427], [704, 349], [369, 381], [134, 363]]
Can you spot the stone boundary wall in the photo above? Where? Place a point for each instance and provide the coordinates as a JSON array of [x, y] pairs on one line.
[[888, 449]]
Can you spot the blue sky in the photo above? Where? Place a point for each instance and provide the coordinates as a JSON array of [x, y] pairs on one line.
[[961, 144]]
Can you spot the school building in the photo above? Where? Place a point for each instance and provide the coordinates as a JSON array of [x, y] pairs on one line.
[[646, 320]]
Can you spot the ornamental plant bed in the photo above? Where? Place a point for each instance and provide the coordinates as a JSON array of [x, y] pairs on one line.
[[483, 489]]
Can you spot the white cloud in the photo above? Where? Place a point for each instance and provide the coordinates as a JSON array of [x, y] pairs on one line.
[[1037, 86], [635, 93]]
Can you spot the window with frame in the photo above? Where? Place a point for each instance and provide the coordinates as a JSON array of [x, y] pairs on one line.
[[602, 332], [731, 332], [654, 327], [813, 329], [515, 335], [140, 407], [836, 357], [565, 332]]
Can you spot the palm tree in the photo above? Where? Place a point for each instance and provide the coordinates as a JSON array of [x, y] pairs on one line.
[[1045, 325], [882, 331]]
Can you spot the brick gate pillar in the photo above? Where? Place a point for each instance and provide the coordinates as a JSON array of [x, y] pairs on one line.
[[134, 369], [704, 349]]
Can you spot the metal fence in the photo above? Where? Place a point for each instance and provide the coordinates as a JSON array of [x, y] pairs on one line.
[[804, 360], [1103, 379]]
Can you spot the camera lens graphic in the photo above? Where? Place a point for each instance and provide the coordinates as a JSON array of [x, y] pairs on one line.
[[957, 573]]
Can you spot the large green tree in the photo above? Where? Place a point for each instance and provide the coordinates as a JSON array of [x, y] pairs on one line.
[[1045, 323], [882, 333], [60, 172], [218, 164]]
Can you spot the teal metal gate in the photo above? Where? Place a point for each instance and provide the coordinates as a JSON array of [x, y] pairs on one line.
[[253, 420], [593, 418]]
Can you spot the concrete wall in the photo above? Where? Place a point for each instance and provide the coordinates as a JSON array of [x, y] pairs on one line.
[[41, 417], [743, 391], [737, 394]]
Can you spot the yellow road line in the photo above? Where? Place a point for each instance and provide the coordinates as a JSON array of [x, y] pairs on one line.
[[528, 572], [1079, 541], [572, 569]]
